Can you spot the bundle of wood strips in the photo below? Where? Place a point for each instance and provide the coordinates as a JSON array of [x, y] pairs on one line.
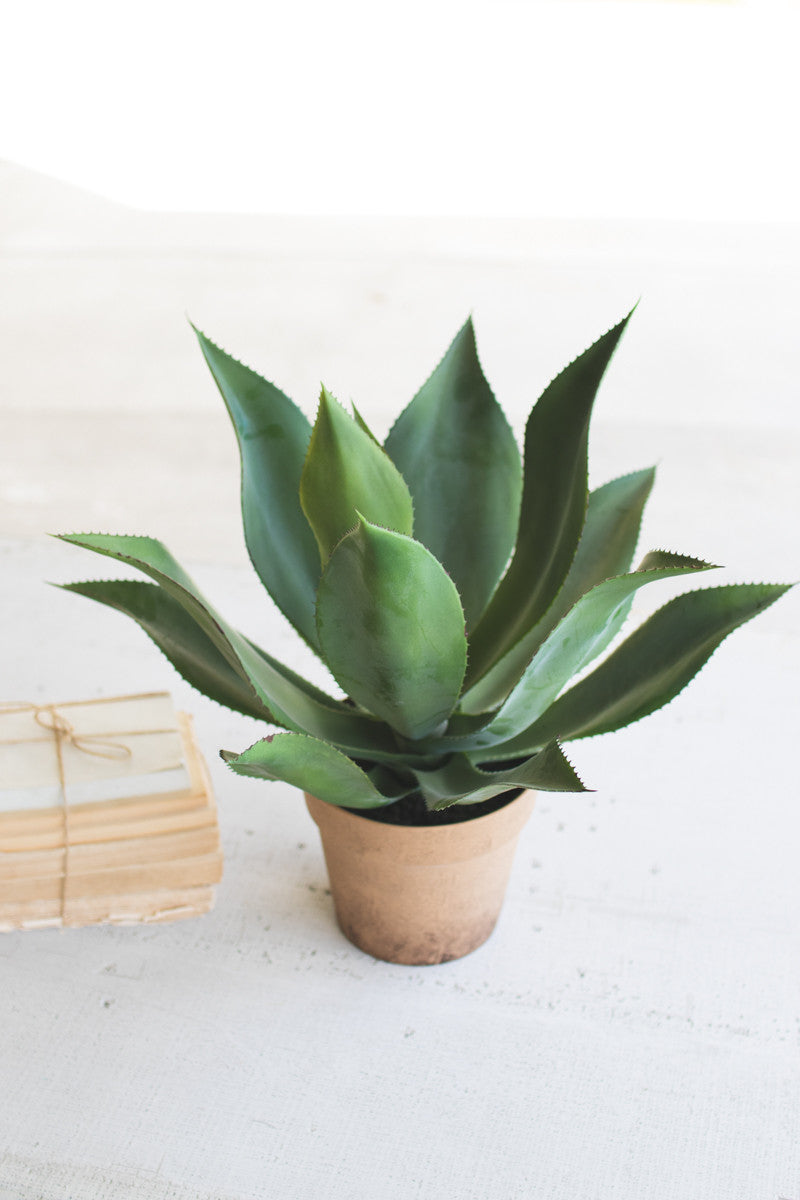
[[106, 814]]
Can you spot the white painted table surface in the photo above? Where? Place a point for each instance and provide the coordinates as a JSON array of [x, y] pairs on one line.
[[631, 1030]]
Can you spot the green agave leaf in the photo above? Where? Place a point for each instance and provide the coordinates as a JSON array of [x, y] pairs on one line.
[[393, 779], [460, 782], [359, 420], [650, 668], [455, 450], [191, 651], [273, 437], [347, 472], [311, 765], [391, 628], [580, 636], [586, 630], [606, 549], [293, 702], [553, 508]]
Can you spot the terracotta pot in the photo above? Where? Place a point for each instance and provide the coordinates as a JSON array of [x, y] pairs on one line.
[[414, 894]]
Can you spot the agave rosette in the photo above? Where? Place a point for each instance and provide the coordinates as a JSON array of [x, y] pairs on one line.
[[453, 587]]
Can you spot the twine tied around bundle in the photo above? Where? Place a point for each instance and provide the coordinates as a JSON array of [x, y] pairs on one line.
[[48, 717]]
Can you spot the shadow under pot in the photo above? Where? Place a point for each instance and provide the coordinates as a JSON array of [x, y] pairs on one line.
[[416, 894]]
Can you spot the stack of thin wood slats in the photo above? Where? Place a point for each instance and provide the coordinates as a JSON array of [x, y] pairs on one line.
[[146, 857]]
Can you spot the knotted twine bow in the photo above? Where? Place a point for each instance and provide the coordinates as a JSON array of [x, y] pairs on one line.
[[48, 717]]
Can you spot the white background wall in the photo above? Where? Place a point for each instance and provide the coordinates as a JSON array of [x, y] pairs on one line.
[[645, 108]]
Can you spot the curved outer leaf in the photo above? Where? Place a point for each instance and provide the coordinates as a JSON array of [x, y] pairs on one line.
[[650, 668], [311, 765], [273, 437], [190, 650], [606, 549], [294, 702], [391, 628], [455, 450], [586, 630], [553, 506], [346, 472], [459, 782]]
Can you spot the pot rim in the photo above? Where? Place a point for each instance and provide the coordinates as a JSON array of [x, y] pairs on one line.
[[426, 844]]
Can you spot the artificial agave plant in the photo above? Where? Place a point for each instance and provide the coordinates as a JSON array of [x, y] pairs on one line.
[[452, 588]]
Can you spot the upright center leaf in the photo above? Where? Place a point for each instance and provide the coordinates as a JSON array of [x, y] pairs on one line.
[[554, 497], [391, 626], [457, 454], [345, 473]]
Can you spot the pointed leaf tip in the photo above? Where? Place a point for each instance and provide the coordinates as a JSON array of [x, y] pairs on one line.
[[457, 453], [272, 435], [313, 766], [345, 471], [462, 781]]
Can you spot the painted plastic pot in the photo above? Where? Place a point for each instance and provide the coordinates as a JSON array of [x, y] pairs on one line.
[[419, 894]]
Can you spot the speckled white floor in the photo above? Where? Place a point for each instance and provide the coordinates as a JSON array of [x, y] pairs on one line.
[[631, 1029]]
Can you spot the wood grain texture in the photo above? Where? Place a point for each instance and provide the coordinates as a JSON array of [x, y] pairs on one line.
[[155, 857]]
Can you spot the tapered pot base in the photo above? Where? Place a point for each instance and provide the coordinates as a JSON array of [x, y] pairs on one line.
[[419, 894]]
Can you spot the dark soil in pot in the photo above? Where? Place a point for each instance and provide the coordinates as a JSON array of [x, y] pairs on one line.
[[411, 810]]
